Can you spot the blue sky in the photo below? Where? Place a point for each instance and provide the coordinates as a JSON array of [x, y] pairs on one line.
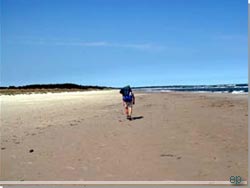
[[120, 42]]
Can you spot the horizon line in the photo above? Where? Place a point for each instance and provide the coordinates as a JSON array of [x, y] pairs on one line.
[[94, 85]]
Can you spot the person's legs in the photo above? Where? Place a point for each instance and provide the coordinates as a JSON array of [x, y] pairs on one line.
[[126, 110], [126, 107], [129, 111]]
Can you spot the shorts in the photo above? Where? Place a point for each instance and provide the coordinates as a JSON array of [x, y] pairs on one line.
[[128, 104]]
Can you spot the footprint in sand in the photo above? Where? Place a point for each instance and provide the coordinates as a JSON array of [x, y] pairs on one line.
[[171, 155], [167, 155], [75, 122]]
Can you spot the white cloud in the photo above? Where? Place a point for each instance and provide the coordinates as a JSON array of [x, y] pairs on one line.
[[91, 44], [28, 40], [136, 46], [105, 44]]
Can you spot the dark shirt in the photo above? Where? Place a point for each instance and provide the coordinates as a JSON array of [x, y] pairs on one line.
[[125, 91]]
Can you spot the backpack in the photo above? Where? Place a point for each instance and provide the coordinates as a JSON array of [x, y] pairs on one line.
[[127, 97]]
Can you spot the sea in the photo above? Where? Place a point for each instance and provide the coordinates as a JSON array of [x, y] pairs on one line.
[[221, 88]]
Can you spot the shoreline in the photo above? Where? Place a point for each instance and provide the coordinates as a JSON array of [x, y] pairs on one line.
[[107, 90]]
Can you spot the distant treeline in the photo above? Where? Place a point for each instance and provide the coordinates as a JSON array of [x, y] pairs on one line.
[[57, 86]]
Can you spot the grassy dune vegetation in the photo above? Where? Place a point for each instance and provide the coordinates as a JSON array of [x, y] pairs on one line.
[[46, 88]]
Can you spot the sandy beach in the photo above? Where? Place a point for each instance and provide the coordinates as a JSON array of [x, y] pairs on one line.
[[85, 136]]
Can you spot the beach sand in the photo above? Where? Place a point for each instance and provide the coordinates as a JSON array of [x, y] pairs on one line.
[[85, 136]]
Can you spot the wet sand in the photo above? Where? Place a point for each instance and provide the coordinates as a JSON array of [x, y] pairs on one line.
[[85, 136]]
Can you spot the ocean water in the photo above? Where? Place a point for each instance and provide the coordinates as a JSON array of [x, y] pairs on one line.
[[222, 88]]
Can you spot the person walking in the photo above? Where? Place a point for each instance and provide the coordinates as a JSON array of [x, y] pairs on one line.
[[128, 99]]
